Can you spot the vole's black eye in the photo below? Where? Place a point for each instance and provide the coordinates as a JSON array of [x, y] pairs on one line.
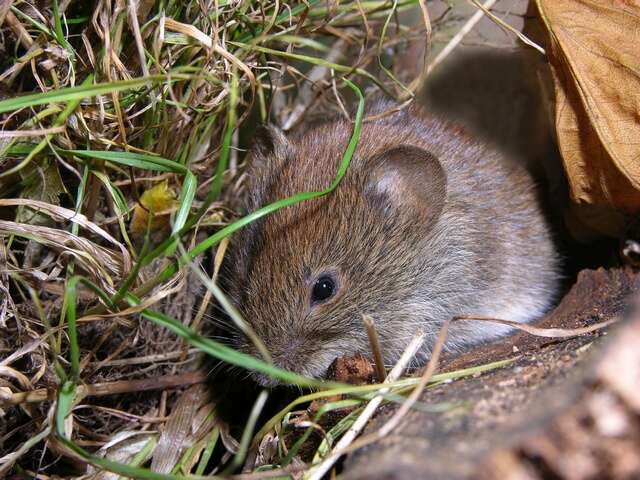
[[323, 289]]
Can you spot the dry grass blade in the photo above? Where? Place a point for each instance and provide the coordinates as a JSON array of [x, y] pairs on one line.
[[25, 350], [431, 367], [60, 213], [178, 432], [437, 350], [128, 447], [16, 375], [309, 90], [376, 348], [31, 133], [205, 40], [417, 84], [457, 39], [542, 332], [102, 264], [135, 25], [523, 38], [8, 460], [424, 380]]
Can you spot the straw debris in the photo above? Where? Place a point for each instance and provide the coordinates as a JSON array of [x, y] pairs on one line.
[[123, 129]]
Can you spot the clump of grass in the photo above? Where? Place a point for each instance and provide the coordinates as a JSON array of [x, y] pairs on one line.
[[124, 126]]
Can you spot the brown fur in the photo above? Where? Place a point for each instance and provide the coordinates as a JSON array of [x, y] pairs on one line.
[[408, 245]]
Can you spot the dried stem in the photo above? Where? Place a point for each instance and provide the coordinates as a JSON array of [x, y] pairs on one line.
[[110, 388], [376, 349]]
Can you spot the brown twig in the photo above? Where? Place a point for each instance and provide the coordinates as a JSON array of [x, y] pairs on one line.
[[110, 388], [376, 349]]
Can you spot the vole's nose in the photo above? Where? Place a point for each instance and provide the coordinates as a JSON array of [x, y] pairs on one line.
[[268, 381], [286, 354], [290, 356]]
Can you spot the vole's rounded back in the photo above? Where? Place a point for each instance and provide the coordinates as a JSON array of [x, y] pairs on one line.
[[426, 224]]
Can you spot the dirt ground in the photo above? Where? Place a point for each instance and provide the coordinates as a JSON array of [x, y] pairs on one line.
[[562, 410]]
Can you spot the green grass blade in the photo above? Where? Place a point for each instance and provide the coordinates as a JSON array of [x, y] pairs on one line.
[[327, 407], [216, 188], [245, 440], [231, 310], [332, 435], [342, 170], [383, 34], [86, 91], [206, 455], [120, 203], [60, 120], [70, 299], [301, 42], [187, 194], [309, 59], [131, 159], [40, 26], [66, 396], [59, 34], [359, 390]]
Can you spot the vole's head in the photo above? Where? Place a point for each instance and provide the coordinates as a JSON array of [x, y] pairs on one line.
[[304, 276]]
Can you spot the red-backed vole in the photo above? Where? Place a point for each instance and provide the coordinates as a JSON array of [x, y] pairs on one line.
[[426, 224]]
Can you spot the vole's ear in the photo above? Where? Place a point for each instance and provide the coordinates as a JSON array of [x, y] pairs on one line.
[[269, 144], [408, 179]]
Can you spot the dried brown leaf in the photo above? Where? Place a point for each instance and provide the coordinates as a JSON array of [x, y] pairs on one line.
[[594, 57]]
